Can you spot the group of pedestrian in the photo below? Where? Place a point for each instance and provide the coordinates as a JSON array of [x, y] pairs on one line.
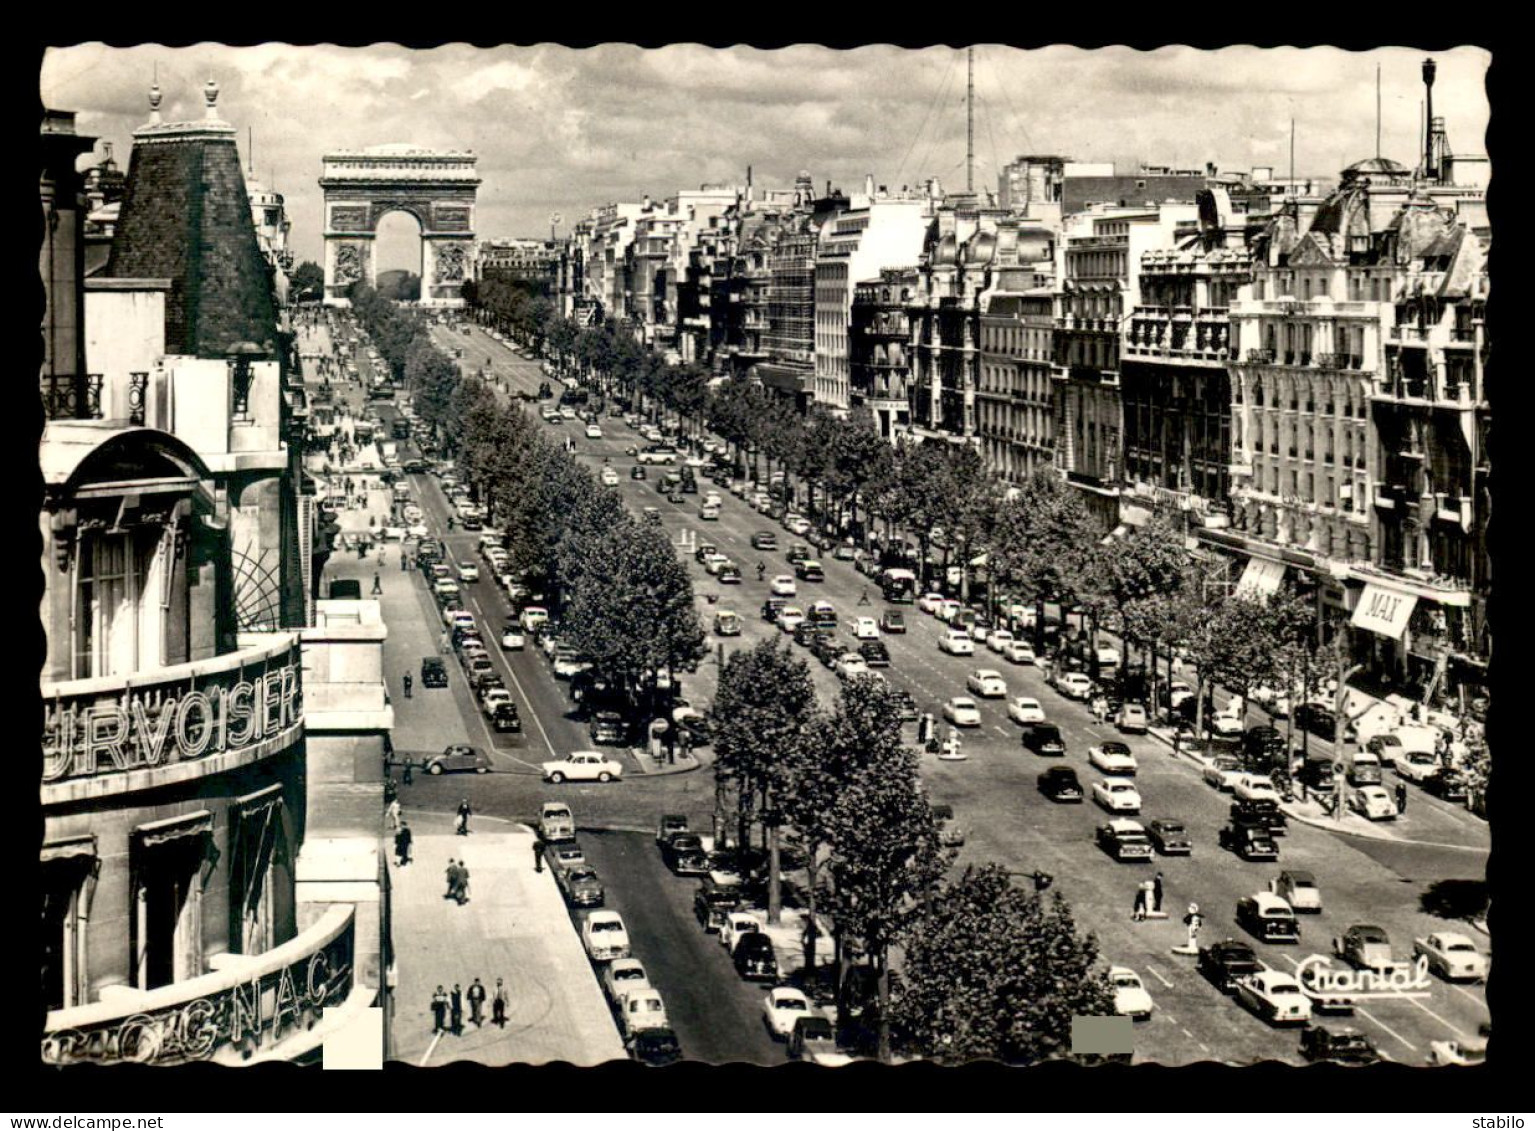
[[1148, 898], [458, 882], [448, 1008]]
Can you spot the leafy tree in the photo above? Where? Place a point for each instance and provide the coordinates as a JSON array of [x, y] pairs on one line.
[[994, 973], [1131, 583], [308, 281], [1043, 544]]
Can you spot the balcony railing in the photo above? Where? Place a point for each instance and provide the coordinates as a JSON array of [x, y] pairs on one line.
[[72, 396], [1260, 357], [138, 389], [115, 733]]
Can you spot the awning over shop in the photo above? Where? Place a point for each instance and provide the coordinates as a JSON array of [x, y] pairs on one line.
[[172, 829], [74, 848], [1260, 578], [1384, 611]]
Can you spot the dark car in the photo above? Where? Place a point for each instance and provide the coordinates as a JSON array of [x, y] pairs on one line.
[[1269, 918], [669, 826], [827, 648], [678, 843], [1317, 719], [1170, 837], [698, 729], [772, 607], [754, 958], [797, 553], [805, 633], [892, 620], [1125, 841], [638, 472], [434, 673], [729, 575], [906, 705], [809, 570], [1059, 783], [1044, 739], [1340, 1046], [812, 1037], [1263, 748], [1226, 961], [1250, 842], [712, 902], [875, 654], [580, 885], [764, 540], [1260, 814], [608, 729], [1448, 784], [505, 719], [655, 1047], [704, 550]]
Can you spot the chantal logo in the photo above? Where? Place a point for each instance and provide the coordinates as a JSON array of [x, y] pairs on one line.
[[1320, 979]]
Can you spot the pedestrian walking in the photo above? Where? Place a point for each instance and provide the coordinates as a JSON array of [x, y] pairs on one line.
[[377, 586], [1156, 893], [477, 997], [407, 777], [456, 1006], [393, 813], [1042, 881], [1401, 797], [407, 681], [452, 892], [402, 843], [463, 883], [439, 1010], [538, 855], [1138, 912], [761, 570], [463, 817], [498, 1003], [863, 598], [445, 643]]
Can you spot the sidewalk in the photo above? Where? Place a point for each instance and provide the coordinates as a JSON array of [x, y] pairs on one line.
[[514, 927]]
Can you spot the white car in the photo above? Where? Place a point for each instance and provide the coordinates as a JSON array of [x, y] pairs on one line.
[[1222, 773], [738, 923], [962, 712], [605, 936], [713, 562], [1228, 722], [1177, 692], [609, 477], [493, 698], [413, 513], [1074, 685], [1373, 802], [418, 530], [708, 513], [1024, 710], [986, 683], [796, 524], [533, 616], [641, 1009], [1416, 766], [957, 642], [468, 571], [1130, 996], [1452, 956], [512, 637], [947, 610], [622, 977], [583, 765], [929, 602], [568, 662], [784, 585], [865, 628], [444, 587], [1112, 758], [1117, 795], [790, 617], [1255, 787], [1274, 996], [593, 432], [1019, 653], [998, 640], [782, 1007], [850, 664]]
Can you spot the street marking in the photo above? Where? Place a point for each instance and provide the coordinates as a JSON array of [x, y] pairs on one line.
[[1003, 732], [1462, 990], [1160, 977], [1387, 1028], [1446, 1023], [431, 1048]]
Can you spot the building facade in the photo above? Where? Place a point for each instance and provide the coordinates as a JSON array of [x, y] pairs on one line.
[[879, 344]]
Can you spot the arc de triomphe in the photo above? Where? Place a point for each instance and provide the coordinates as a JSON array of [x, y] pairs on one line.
[[437, 188]]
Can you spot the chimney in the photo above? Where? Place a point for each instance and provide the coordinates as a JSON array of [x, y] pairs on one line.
[[868, 184], [1428, 117]]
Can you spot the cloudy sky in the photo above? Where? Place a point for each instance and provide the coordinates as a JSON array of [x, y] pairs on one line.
[[565, 130]]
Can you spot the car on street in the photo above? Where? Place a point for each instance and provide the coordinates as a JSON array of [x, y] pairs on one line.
[[1275, 997], [1177, 692], [783, 585], [1226, 962], [1250, 842], [782, 1008], [755, 959], [797, 553], [582, 765], [434, 673], [1365, 946], [1060, 784], [593, 432], [1222, 772], [1298, 888], [534, 617], [1112, 758], [640, 1010], [1337, 1046], [813, 1039], [457, 758], [727, 623], [998, 640], [609, 477], [1415, 766], [494, 697], [1124, 840], [790, 617], [1449, 784], [874, 653], [1117, 795], [1171, 838], [1018, 652], [850, 664], [956, 642], [1044, 739], [605, 936], [765, 540], [669, 825], [1254, 787], [1268, 917], [737, 924], [1130, 997], [729, 574], [987, 683], [1452, 956], [864, 628], [505, 719], [608, 729], [623, 976], [513, 638], [962, 712], [1472, 1050], [892, 620], [713, 903], [1025, 710], [929, 602], [638, 472], [1371, 802], [708, 513], [1228, 722], [555, 822], [906, 704], [567, 662], [580, 885], [468, 571], [1074, 685], [809, 569], [1131, 718], [1316, 718]]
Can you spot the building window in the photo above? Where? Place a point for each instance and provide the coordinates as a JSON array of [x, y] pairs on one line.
[[261, 882], [167, 861], [69, 871]]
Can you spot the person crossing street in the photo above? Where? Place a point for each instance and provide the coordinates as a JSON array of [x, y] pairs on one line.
[[407, 681]]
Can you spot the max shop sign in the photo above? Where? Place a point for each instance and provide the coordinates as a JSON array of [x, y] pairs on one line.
[[1320, 979], [265, 1009], [190, 723]]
